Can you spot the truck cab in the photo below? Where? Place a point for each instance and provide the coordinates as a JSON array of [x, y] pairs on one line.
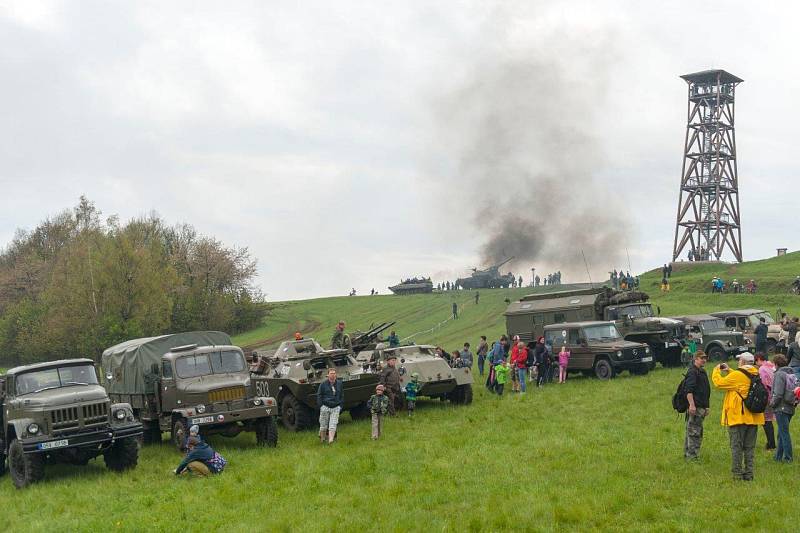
[[58, 412], [746, 320]]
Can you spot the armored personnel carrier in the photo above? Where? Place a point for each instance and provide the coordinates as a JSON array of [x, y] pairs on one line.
[[436, 378], [57, 412], [413, 286], [294, 372], [490, 278]]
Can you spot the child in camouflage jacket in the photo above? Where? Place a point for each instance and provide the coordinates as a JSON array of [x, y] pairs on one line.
[[378, 406]]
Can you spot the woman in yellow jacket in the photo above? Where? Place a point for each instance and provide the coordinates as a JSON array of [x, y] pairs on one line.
[[742, 424]]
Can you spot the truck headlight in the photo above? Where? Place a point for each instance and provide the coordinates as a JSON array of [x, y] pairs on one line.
[[201, 408], [647, 350], [33, 428], [619, 353], [120, 414], [257, 401], [730, 344]]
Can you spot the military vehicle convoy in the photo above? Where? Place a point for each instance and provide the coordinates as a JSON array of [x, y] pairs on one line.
[[711, 335], [598, 348], [294, 372], [58, 412], [746, 320], [193, 378], [413, 286], [489, 278], [436, 378], [629, 310]]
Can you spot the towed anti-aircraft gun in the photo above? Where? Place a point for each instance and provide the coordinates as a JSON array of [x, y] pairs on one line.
[[490, 278], [367, 340]]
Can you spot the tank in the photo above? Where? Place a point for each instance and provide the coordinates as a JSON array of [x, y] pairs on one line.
[[413, 286], [437, 379], [294, 372], [489, 278]]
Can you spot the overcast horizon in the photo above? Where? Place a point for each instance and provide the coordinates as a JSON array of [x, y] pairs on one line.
[[333, 140]]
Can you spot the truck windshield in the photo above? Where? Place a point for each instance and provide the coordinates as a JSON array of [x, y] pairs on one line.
[[755, 319], [637, 311], [192, 366], [713, 325], [602, 332], [53, 378]]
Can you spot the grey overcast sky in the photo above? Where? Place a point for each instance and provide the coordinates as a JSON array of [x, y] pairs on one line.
[[313, 132]]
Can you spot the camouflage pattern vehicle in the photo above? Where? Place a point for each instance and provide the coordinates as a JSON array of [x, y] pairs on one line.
[[631, 312], [413, 286], [193, 378], [711, 335], [436, 378], [489, 278], [746, 320], [58, 412], [598, 348], [294, 372]]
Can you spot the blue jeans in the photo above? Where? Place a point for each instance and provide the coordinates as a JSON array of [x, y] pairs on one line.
[[522, 373], [784, 451], [481, 362]]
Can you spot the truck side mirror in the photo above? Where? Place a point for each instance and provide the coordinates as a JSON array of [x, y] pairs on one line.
[[307, 364]]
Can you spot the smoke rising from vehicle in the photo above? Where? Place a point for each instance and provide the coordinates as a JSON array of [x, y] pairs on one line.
[[523, 134]]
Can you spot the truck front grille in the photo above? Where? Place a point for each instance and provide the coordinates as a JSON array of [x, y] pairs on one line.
[[95, 413], [227, 394], [66, 418]]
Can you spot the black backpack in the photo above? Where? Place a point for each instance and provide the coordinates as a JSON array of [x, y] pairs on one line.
[[679, 401], [757, 396]]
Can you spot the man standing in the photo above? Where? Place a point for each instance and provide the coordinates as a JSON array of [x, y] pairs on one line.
[[340, 338], [390, 379], [698, 394], [742, 424], [477, 297], [455, 310], [330, 397], [761, 336], [393, 340], [466, 356], [483, 349]]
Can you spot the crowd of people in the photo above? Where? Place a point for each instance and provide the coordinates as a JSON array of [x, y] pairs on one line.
[[718, 285], [623, 280]]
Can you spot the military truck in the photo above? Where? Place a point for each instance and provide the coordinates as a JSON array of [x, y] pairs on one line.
[[436, 378], [294, 372], [746, 320], [598, 348], [489, 278], [711, 335], [631, 312], [192, 378], [413, 286], [58, 412]]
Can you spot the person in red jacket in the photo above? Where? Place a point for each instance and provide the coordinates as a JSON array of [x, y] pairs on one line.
[[519, 360]]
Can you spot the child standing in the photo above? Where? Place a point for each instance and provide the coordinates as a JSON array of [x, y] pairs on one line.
[[378, 406], [412, 388], [563, 362], [501, 377]]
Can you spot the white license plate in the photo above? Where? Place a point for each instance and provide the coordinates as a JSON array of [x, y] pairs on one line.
[[670, 344], [647, 359], [203, 420], [351, 378], [53, 444]]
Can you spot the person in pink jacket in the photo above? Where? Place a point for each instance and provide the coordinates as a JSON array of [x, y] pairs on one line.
[[563, 363]]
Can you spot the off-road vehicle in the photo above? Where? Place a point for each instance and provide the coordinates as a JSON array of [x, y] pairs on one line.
[[193, 378], [711, 335], [746, 320], [598, 348], [294, 372], [631, 312], [436, 378], [57, 412]]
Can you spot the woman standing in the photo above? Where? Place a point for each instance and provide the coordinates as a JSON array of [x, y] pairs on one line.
[[519, 361], [766, 370], [782, 401]]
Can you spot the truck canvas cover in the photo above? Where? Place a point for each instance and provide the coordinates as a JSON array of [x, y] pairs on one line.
[[129, 361]]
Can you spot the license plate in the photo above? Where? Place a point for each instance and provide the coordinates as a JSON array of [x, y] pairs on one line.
[[53, 444], [203, 420], [352, 378], [670, 344], [647, 359]]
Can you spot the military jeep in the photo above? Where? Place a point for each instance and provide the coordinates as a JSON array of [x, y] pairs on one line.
[[597, 348], [58, 412], [746, 320], [711, 335]]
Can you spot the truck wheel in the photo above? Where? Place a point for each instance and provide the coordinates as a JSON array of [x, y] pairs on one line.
[[359, 412], [603, 369], [715, 353], [179, 433], [267, 432], [151, 434], [294, 415], [122, 455], [462, 395], [25, 468]]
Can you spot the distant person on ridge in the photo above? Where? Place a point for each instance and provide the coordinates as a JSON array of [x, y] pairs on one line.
[[455, 310]]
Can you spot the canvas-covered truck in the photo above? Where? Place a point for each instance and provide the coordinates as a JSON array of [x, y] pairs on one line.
[[57, 412], [194, 378], [629, 310]]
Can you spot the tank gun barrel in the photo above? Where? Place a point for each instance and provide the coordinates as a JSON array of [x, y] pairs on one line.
[[362, 340]]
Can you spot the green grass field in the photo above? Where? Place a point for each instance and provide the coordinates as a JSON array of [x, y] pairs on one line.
[[587, 455]]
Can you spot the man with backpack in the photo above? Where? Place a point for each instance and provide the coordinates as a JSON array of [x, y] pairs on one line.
[[742, 411], [698, 393]]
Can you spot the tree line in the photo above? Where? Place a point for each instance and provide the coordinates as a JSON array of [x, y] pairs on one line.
[[78, 284]]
